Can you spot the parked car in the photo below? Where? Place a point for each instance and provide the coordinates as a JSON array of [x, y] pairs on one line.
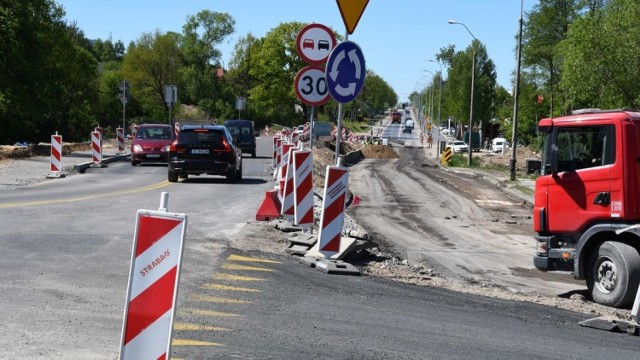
[[396, 117], [204, 149], [459, 146], [499, 145], [407, 129], [244, 135], [151, 143]]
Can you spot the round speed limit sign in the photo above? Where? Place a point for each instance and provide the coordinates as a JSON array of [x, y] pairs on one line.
[[311, 86]]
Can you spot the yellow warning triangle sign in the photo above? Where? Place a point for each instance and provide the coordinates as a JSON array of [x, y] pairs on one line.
[[351, 11]]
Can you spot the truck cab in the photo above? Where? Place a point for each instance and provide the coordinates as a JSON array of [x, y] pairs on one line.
[[586, 213]]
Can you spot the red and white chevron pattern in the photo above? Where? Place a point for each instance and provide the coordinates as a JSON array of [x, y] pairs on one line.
[[153, 285], [333, 204], [287, 208], [96, 147], [56, 153], [303, 192], [284, 164], [120, 136]]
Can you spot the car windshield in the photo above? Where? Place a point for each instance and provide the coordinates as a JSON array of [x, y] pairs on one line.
[[208, 137], [154, 133], [459, 143]]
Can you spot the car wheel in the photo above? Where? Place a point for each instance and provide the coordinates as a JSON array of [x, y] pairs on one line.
[[134, 163], [239, 173], [613, 273], [183, 176], [232, 175], [253, 154], [172, 176]]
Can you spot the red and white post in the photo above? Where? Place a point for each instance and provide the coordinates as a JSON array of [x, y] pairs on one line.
[[101, 131], [56, 156], [96, 148], [153, 285], [288, 203], [120, 136], [284, 164], [303, 192], [333, 205]]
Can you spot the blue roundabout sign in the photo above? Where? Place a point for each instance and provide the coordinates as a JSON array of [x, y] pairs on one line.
[[345, 72]]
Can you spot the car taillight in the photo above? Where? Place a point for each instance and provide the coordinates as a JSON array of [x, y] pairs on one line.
[[174, 147], [227, 147]]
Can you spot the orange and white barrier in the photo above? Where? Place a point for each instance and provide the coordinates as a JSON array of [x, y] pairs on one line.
[[96, 147], [120, 136], [303, 192], [333, 205], [153, 285], [287, 209], [56, 155]]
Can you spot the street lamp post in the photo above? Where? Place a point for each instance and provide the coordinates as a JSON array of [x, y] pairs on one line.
[[473, 77]]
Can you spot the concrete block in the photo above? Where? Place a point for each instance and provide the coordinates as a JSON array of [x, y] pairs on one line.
[[337, 267], [346, 246]]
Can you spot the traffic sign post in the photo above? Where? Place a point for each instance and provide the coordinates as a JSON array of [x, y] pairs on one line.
[[311, 86], [351, 11], [314, 43], [345, 72]]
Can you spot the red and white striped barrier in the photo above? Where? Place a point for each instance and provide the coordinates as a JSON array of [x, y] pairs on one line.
[[303, 184], [333, 204], [305, 132], [153, 285], [96, 147], [266, 130], [344, 134], [277, 156], [274, 163], [56, 155], [120, 136], [101, 131], [287, 209], [284, 164]]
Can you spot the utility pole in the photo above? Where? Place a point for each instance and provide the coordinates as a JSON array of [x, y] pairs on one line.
[[516, 95]]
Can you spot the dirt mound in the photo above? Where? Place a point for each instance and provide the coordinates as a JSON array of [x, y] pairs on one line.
[[379, 152]]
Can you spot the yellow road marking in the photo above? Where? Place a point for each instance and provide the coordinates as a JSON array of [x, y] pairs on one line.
[[187, 342], [214, 299], [236, 277], [250, 259], [227, 288], [88, 197], [243, 267], [197, 327], [207, 313]]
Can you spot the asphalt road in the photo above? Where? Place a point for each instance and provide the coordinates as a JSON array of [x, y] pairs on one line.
[[66, 252]]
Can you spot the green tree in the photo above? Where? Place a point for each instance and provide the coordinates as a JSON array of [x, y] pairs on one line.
[[610, 79], [545, 27], [152, 62], [50, 80], [201, 35]]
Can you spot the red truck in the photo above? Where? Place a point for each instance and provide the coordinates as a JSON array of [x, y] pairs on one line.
[[587, 202]]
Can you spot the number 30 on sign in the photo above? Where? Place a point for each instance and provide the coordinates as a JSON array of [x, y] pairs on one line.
[[311, 86]]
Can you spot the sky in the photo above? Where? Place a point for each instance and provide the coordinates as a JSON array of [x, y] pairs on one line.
[[397, 37]]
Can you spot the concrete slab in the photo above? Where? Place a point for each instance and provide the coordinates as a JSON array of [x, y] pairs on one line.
[[337, 267], [303, 239], [612, 324], [297, 250], [284, 225], [309, 261]]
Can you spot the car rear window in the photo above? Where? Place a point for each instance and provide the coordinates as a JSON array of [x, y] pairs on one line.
[[214, 137], [237, 130]]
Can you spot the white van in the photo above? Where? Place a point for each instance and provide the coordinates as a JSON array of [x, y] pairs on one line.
[[408, 123], [499, 145]]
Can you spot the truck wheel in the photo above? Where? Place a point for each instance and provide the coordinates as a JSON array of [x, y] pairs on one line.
[[613, 274]]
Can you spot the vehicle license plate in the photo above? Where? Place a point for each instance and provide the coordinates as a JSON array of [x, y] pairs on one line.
[[153, 155], [200, 151]]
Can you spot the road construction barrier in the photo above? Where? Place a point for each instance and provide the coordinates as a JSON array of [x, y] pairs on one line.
[[266, 130], [96, 147], [270, 207], [287, 209], [120, 136], [303, 184], [333, 205], [274, 160], [153, 285], [447, 153], [101, 131], [284, 164], [56, 155]]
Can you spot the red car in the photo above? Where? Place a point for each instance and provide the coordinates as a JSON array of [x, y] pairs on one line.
[[151, 143]]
